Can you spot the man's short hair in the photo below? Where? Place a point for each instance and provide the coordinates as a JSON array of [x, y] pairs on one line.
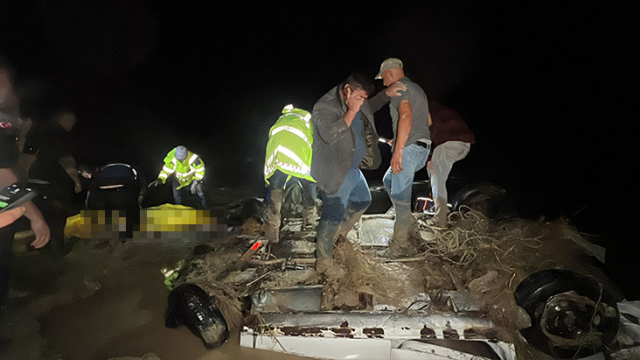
[[360, 81]]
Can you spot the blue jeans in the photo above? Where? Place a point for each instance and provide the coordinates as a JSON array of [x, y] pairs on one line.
[[414, 157], [341, 210]]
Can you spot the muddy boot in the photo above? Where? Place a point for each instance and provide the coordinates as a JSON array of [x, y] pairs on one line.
[[309, 218], [271, 226], [400, 248], [323, 264], [440, 218]]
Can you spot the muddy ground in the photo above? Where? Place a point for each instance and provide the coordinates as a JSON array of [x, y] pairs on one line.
[[99, 303], [102, 302], [105, 301]]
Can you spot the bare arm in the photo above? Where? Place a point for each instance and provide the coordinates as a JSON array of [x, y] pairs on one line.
[[404, 123], [404, 128], [383, 97], [38, 225], [9, 216], [377, 102], [69, 165]]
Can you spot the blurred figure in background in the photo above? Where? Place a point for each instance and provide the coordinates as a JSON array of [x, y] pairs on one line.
[[289, 153], [53, 172], [451, 141], [9, 102], [9, 131], [116, 186], [188, 171]]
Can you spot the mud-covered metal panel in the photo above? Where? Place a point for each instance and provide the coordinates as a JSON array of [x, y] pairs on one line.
[[304, 298], [294, 249], [375, 231], [387, 325]]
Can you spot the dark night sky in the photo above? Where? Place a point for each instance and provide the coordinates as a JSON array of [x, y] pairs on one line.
[[547, 87]]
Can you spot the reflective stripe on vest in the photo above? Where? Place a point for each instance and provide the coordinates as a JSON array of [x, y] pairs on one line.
[[302, 168], [184, 176], [168, 170], [293, 131], [305, 118]]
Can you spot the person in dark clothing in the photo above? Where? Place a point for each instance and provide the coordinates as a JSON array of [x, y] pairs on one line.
[[9, 152], [451, 140], [53, 173], [344, 141], [117, 186]]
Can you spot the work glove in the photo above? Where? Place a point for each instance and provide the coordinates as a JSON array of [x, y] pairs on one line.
[[155, 183], [194, 186]]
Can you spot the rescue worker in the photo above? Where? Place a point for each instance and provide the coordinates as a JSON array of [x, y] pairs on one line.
[[188, 170], [288, 155], [115, 186]]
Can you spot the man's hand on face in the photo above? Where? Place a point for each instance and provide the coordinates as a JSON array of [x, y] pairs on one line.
[[355, 99], [396, 162], [395, 88]]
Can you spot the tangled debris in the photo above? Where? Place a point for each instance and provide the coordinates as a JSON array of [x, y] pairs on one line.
[[474, 256], [209, 268], [482, 259]]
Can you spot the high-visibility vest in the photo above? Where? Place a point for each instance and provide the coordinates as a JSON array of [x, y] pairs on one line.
[[290, 145], [191, 168]]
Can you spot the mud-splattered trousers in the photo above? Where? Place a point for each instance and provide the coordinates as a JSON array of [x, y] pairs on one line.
[[442, 159], [276, 197], [340, 211], [414, 157], [177, 193]]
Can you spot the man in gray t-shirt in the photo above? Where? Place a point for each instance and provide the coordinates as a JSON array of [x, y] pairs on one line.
[[411, 144], [419, 127]]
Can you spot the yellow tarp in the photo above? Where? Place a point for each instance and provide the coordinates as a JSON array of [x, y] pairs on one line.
[[167, 217]]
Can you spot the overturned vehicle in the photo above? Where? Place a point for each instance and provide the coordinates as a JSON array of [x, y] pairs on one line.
[[485, 287]]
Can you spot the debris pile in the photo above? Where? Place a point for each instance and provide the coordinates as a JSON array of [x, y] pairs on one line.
[[210, 268], [482, 261]]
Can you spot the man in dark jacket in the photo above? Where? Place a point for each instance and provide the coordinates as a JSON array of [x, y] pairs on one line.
[[344, 141]]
